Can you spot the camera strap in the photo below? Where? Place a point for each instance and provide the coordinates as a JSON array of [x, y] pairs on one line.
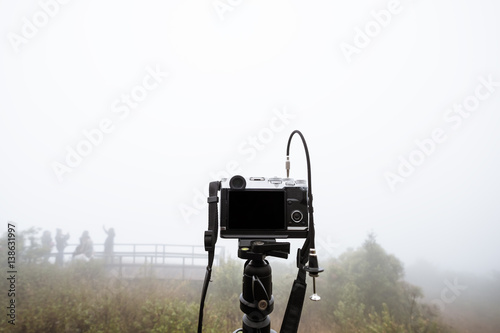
[[295, 303], [293, 311], [210, 241], [213, 223]]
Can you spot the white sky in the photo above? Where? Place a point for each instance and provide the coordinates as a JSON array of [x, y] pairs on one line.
[[229, 73]]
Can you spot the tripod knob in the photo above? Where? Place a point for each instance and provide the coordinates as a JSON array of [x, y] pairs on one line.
[[314, 297], [262, 305], [314, 271]]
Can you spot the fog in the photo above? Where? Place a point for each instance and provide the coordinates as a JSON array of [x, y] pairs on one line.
[[121, 113]]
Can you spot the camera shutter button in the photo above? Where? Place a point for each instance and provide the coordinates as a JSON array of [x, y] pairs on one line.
[[275, 180]]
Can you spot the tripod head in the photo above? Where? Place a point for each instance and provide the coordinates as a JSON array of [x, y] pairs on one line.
[[260, 248], [256, 299]]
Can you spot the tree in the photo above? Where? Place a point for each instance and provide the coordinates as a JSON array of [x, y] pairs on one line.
[[370, 295]]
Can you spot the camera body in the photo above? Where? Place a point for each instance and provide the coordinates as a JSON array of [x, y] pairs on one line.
[[260, 207]]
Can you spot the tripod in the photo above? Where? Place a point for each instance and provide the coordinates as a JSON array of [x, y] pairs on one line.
[[256, 299]]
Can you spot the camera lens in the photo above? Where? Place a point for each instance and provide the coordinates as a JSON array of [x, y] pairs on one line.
[[297, 216], [237, 183]]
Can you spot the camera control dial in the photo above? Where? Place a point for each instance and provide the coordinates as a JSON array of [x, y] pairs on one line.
[[297, 216]]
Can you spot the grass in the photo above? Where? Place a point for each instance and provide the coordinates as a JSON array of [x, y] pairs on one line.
[[82, 297]]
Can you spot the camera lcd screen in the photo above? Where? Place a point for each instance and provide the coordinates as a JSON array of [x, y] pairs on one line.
[[256, 210]]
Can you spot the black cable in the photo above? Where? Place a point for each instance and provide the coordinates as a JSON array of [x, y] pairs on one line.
[[293, 310], [309, 242]]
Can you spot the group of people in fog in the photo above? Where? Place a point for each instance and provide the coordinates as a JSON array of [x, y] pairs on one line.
[[83, 251]]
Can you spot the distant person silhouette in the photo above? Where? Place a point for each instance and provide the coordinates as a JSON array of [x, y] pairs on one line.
[[109, 244], [85, 250], [61, 243], [47, 245]]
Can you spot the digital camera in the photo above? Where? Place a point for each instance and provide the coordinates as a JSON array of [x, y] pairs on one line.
[[260, 207]]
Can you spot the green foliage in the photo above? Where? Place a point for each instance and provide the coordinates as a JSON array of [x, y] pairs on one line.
[[222, 304], [384, 322], [28, 247], [368, 294], [362, 292], [374, 272], [349, 312]]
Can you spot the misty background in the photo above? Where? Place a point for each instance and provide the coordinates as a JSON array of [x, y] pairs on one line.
[[219, 89]]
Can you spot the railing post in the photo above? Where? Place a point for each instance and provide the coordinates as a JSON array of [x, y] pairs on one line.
[[156, 253], [120, 268], [183, 268]]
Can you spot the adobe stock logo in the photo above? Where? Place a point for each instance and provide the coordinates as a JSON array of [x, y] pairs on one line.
[[221, 7], [94, 137], [328, 244], [39, 20], [363, 37], [454, 116], [248, 149], [449, 294]]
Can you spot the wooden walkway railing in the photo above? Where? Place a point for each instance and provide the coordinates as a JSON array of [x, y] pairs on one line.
[[162, 260]]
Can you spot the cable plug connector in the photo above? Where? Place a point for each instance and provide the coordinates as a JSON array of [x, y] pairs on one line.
[[313, 271], [287, 166]]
